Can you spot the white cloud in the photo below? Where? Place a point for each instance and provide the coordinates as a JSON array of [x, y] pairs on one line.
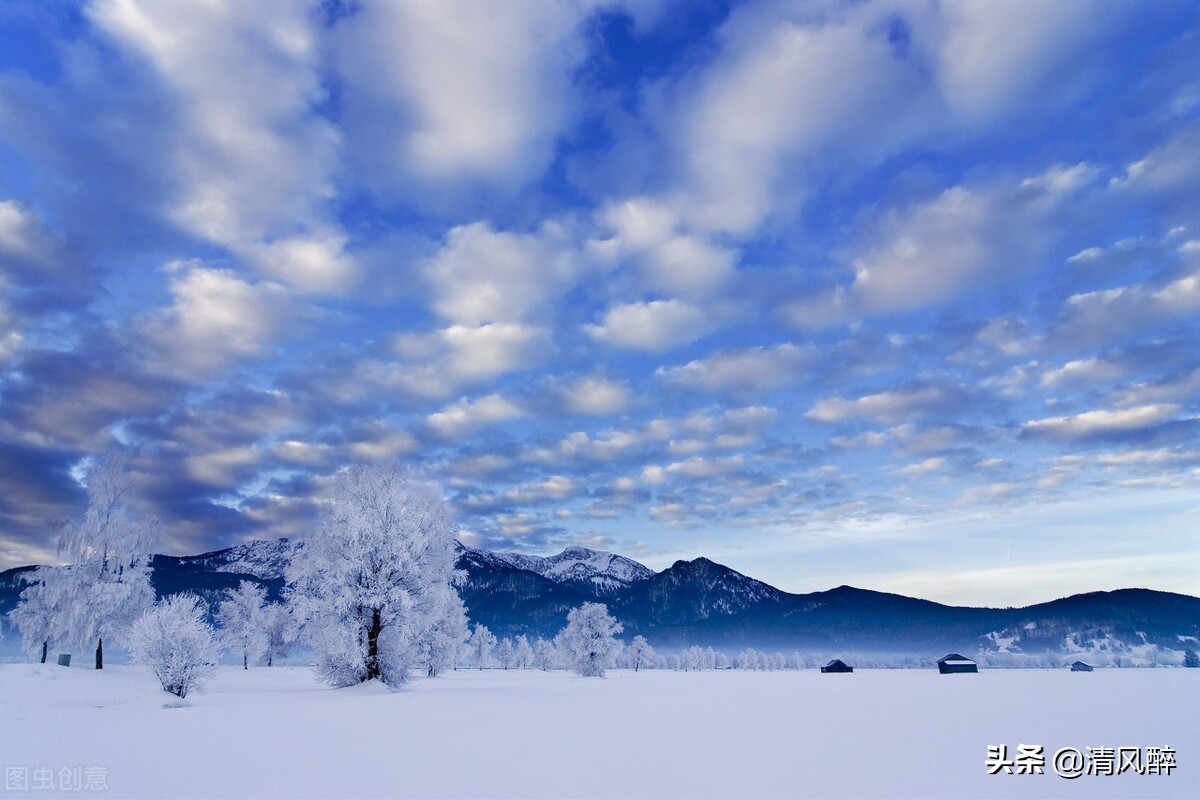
[[790, 81], [1101, 422], [482, 276], [1170, 389], [748, 371], [228, 468], [670, 260], [22, 236], [216, 318], [891, 406], [252, 159], [1082, 372], [654, 326], [10, 334], [701, 467], [994, 57], [468, 415], [442, 92], [440, 363], [965, 237], [556, 487], [315, 262], [596, 396], [923, 467], [1171, 167], [1108, 313]]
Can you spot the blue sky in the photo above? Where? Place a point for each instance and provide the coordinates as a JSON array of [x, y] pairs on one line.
[[897, 294]]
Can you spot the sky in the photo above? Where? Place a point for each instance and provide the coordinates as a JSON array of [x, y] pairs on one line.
[[904, 295]]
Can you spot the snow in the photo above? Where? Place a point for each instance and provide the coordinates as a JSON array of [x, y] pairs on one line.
[[278, 732], [607, 572]]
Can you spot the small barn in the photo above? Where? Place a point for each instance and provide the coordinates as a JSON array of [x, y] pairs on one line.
[[955, 663], [1079, 666], [837, 665]]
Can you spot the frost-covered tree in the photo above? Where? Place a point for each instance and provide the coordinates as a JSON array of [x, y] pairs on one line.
[[589, 640], [639, 652], [108, 582], [544, 655], [1190, 658], [241, 616], [523, 653], [38, 615], [176, 643], [370, 580], [691, 658], [506, 653], [482, 643], [438, 641], [280, 629], [749, 659]]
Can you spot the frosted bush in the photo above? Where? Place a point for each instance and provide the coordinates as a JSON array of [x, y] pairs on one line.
[[176, 643]]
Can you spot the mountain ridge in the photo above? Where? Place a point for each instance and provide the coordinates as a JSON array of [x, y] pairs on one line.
[[700, 601]]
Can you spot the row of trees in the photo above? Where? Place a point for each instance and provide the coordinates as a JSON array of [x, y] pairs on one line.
[[373, 593], [587, 644]]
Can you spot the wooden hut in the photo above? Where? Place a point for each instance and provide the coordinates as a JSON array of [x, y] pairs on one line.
[[837, 665], [953, 662], [1079, 666]]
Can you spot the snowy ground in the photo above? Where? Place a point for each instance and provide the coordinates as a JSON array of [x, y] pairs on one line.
[[889, 733]]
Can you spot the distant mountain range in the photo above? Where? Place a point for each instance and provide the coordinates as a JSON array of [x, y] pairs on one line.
[[702, 602]]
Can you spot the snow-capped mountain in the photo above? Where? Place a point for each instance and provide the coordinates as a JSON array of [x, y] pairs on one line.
[[691, 591], [263, 558], [591, 571], [703, 602]]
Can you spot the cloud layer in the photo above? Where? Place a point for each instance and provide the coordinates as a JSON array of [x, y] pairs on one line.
[[797, 285]]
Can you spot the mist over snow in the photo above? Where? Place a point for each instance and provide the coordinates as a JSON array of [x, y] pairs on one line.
[[901, 295]]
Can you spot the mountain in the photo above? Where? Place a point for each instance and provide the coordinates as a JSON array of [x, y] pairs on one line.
[[590, 571], [703, 602]]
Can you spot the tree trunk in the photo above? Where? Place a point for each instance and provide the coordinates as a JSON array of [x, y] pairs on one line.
[[45, 647], [245, 661], [636, 664], [373, 644], [99, 654], [270, 658]]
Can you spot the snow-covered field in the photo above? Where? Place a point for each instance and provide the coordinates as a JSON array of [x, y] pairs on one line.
[[276, 732]]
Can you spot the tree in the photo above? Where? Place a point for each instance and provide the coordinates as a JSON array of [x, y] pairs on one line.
[[1190, 658], [639, 652], [280, 629], [108, 582], [481, 643], [241, 617], [176, 643], [506, 653], [370, 581], [439, 640], [543, 655], [523, 656], [589, 639], [41, 608]]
